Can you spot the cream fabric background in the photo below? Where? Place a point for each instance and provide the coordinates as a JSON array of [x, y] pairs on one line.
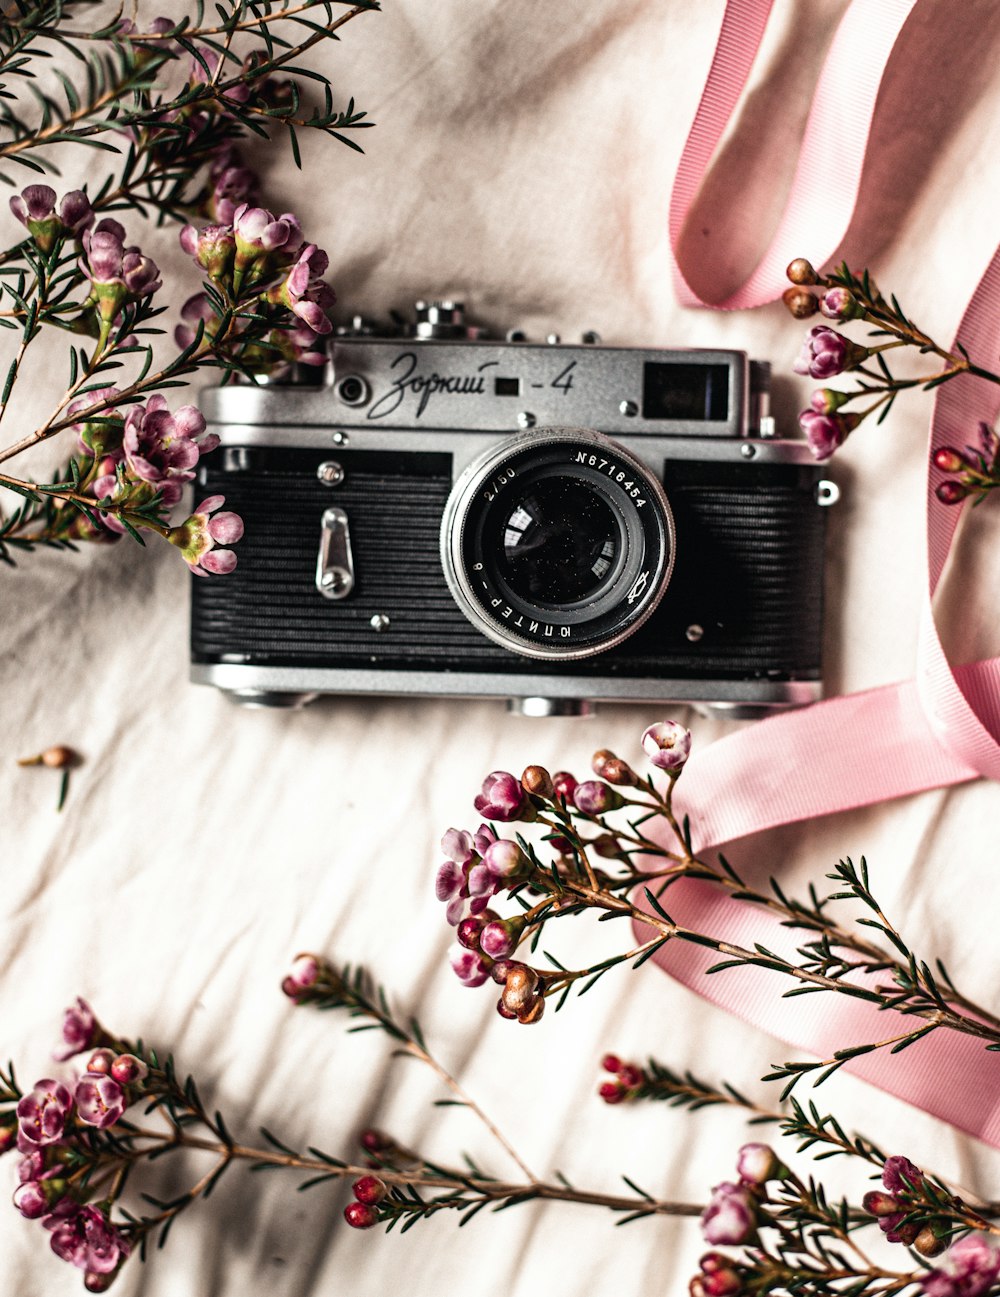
[[523, 158]]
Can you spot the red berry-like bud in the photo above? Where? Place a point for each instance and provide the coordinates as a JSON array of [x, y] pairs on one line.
[[375, 1141], [950, 460], [537, 780], [713, 1261], [360, 1216], [100, 1061], [611, 1092], [881, 1204], [800, 271], [370, 1190], [564, 784], [504, 1012], [630, 1076], [611, 1063], [127, 1069], [951, 492]]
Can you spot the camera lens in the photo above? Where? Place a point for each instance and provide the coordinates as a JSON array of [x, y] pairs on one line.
[[561, 543], [558, 543]]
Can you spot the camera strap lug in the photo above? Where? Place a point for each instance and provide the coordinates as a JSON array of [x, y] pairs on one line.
[[335, 564]]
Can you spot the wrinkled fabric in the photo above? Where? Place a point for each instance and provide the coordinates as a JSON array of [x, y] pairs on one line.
[[522, 159]]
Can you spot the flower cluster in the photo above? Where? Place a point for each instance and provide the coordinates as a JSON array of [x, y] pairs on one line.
[[51, 1136], [629, 1080], [903, 1181], [35, 208], [844, 296], [481, 866], [368, 1192]]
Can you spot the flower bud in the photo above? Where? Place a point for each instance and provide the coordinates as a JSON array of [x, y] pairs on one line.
[[756, 1164], [504, 1012], [839, 303], [564, 784], [881, 1204], [612, 768], [611, 1063], [375, 1141], [360, 1216], [630, 1076], [800, 271], [596, 798], [951, 492], [827, 400], [506, 860], [538, 781], [519, 988], [100, 1061], [927, 1242], [127, 1069], [533, 1012], [950, 460], [800, 302], [499, 938], [369, 1189], [31, 1200], [611, 1092], [469, 930]]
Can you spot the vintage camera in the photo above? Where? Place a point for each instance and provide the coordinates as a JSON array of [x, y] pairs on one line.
[[555, 525]]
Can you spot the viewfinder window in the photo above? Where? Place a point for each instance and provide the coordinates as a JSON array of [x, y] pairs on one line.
[[699, 393]]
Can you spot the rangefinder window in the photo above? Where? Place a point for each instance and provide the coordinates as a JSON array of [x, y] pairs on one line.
[[694, 392]]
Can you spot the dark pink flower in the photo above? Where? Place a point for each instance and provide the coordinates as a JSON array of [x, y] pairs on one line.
[[667, 745], [499, 938], [80, 1030], [258, 233], [304, 292], [968, 1269], [827, 432], [160, 446], [899, 1175], [731, 1215], [502, 798], [85, 1237], [101, 434], [33, 1198], [100, 1100], [42, 1114], [199, 537], [506, 861], [826, 353]]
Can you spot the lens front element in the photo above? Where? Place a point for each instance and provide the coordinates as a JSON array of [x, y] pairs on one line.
[[557, 543]]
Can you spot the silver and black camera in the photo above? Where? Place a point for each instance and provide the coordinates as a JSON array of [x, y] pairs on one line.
[[555, 525]]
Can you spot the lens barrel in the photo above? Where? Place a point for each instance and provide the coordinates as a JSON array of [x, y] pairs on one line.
[[557, 543]]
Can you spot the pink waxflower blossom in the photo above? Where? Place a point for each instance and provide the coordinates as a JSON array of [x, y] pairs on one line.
[[233, 186], [42, 1114], [100, 1100], [469, 967], [502, 798], [304, 292], [160, 446], [199, 538], [80, 1030], [35, 207], [968, 1269], [825, 353], [827, 432], [258, 232], [101, 434], [213, 247], [667, 745], [499, 938], [127, 1069], [31, 1200], [85, 1237], [300, 345], [899, 1175], [731, 1215]]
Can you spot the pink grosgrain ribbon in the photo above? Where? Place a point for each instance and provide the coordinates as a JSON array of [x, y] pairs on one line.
[[938, 730]]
